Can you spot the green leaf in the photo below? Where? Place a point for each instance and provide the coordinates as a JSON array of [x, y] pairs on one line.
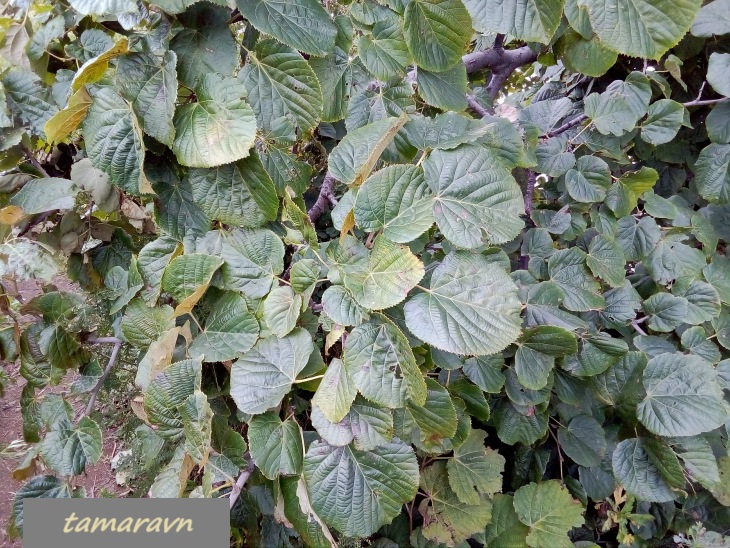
[[656, 25], [549, 511], [568, 270], [197, 415], [444, 131], [533, 368], [217, 129], [113, 141], [152, 260], [475, 469], [339, 77], [583, 440], [230, 330], [281, 310], [712, 173], [187, 277], [703, 303], [166, 392], [391, 272], [663, 121], [283, 90], [712, 19], [381, 363], [28, 99], [177, 213], [436, 417], [683, 397], [373, 484], [518, 425], [717, 73], [386, 54], [586, 55], [606, 260], [610, 113], [486, 373], [528, 20], [252, 259], [68, 449], [717, 130], [476, 199], [636, 465], [298, 510], [104, 7], [277, 447], [336, 392], [341, 306], [447, 520], [302, 24], [437, 32], [505, 529], [445, 90], [142, 325], [471, 307], [205, 46], [352, 160], [40, 487], [239, 194], [589, 180], [47, 194], [149, 83], [367, 424], [265, 374]]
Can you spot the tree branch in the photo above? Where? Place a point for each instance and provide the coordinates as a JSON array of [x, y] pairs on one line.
[[529, 190], [241, 481], [565, 127], [502, 62], [476, 107], [33, 160], [325, 200], [698, 103], [104, 375]]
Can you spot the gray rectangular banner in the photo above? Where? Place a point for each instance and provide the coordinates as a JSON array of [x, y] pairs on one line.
[[125, 523]]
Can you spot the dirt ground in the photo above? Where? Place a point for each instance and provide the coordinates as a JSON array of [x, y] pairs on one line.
[[97, 477]]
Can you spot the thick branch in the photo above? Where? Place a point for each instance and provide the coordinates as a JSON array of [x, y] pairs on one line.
[[104, 375], [241, 481], [529, 191], [502, 62], [325, 200]]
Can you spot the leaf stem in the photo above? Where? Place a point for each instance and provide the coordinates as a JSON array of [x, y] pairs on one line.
[[241, 481]]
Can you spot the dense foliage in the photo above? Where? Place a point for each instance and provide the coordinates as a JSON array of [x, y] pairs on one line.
[[413, 271]]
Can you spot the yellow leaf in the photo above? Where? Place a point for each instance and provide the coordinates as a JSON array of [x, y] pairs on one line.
[[95, 68], [348, 224], [9, 215], [65, 121]]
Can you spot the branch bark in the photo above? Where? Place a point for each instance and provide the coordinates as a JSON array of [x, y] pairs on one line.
[[33, 160], [565, 127], [502, 62], [476, 107], [325, 200], [241, 481], [104, 375]]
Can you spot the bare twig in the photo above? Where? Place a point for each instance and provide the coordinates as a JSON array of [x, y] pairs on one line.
[[102, 340], [499, 41], [568, 125], [325, 200], [638, 329], [697, 103], [33, 160], [241, 481], [104, 375]]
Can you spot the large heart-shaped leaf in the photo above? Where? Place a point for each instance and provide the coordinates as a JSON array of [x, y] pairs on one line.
[[471, 307]]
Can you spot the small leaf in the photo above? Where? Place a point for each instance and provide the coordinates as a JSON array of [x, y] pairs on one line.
[[549, 511], [276, 447]]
